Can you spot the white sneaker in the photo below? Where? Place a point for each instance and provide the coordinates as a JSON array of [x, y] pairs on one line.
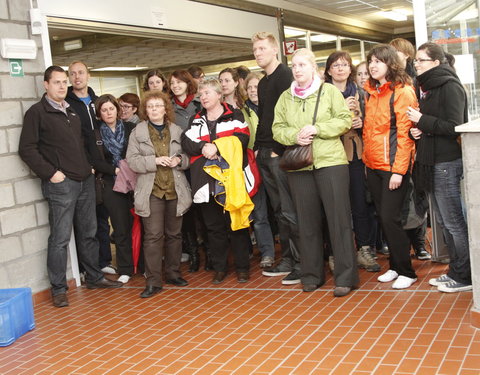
[[185, 258], [124, 279], [388, 276], [403, 282], [109, 270], [443, 279], [454, 286]]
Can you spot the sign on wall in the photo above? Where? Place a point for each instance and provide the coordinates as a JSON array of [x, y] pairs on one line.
[[16, 67]]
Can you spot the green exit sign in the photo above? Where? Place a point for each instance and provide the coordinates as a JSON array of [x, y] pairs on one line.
[[16, 67]]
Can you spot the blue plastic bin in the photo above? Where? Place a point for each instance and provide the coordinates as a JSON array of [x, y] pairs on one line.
[[16, 314]]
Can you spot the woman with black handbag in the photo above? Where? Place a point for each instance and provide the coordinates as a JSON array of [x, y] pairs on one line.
[[325, 181]]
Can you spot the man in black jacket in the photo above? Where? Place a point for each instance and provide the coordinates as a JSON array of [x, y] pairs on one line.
[[51, 144], [277, 79], [82, 99]]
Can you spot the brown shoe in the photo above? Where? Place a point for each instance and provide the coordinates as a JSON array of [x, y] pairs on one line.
[[219, 277], [243, 277], [341, 291], [105, 283], [60, 300]]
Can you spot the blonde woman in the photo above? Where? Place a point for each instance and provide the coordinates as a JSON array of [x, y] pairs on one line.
[[326, 181]]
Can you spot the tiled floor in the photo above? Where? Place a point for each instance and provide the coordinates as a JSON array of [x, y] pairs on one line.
[[260, 328]]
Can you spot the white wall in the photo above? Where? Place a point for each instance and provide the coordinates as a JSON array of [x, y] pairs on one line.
[[179, 15]]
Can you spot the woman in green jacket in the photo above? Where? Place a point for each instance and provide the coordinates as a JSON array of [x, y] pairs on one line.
[[325, 182]]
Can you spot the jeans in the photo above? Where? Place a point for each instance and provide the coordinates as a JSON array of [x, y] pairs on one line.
[[261, 225], [447, 203], [276, 185], [71, 204]]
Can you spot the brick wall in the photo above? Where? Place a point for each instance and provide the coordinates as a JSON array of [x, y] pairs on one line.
[[23, 212]]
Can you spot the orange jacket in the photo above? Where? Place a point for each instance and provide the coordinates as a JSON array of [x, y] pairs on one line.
[[384, 147]]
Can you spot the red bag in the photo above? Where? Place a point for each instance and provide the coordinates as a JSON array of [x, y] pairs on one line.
[[252, 174]]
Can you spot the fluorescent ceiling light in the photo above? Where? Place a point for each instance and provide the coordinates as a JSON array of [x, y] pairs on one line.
[[293, 33], [119, 68], [70, 45], [467, 14], [322, 38], [395, 15]]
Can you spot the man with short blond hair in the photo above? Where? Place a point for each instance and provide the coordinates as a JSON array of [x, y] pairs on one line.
[[277, 79]]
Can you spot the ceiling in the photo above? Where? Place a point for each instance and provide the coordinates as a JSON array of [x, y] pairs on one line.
[[100, 48]]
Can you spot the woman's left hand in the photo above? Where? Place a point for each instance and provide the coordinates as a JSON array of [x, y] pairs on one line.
[[357, 122], [306, 134], [395, 181], [175, 160], [413, 114]]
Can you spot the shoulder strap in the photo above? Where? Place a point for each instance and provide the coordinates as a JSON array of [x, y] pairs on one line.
[[316, 104], [393, 118], [99, 142]]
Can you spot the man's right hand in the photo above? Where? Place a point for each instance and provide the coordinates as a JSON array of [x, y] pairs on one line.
[[57, 177]]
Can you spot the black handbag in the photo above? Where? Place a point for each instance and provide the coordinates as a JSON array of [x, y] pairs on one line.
[[99, 182], [297, 157]]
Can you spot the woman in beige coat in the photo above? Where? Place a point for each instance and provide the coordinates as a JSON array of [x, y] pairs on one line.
[[162, 194]]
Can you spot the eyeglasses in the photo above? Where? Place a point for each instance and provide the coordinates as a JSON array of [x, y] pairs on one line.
[[421, 60], [336, 66], [155, 106], [126, 106]]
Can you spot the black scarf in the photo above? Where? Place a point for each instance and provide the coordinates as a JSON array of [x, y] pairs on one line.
[[422, 173]]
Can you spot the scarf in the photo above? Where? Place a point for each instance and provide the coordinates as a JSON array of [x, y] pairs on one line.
[[422, 173], [350, 90], [303, 93], [251, 105], [114, 142], [185, 103]]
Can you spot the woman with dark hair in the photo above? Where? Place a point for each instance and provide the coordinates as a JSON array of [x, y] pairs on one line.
[[387, 153], [155, 80], [232, 91], [112, 141], [162, 193], [340, 72], [197, 73], [438, 166], [217, 135], [182, 90], [129, 103]]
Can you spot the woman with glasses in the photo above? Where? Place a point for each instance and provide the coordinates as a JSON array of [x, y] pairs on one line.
[[162, 193], [438, 166], [387, 154], [112, 138], [325, 182], [129, 103], [340, 72]]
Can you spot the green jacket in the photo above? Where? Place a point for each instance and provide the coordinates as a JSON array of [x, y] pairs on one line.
[[333, 120], [252, 120]]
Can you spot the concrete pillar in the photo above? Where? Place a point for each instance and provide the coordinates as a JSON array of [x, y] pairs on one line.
[[471, 161]]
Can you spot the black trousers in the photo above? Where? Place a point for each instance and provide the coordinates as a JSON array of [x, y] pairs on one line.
[[388, 204], [118, 206], [310, 190], [220, 236]]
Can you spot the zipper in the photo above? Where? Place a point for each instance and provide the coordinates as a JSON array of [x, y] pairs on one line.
[[89, 114]]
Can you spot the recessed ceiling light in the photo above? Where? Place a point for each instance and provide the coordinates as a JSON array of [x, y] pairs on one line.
[[395, 15]]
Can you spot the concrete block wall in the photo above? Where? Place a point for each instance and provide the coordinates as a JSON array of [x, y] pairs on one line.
[[23, 212], [471, 161]]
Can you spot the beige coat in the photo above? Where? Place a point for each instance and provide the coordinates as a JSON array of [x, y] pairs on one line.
[[141, 159]]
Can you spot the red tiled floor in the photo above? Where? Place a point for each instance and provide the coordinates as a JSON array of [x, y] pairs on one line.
[[260, 327]]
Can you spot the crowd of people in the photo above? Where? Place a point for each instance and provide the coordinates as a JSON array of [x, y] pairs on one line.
[[200, 161]]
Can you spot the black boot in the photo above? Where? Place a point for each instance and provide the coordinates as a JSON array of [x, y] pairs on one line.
[[208, 257], [193, 252]]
